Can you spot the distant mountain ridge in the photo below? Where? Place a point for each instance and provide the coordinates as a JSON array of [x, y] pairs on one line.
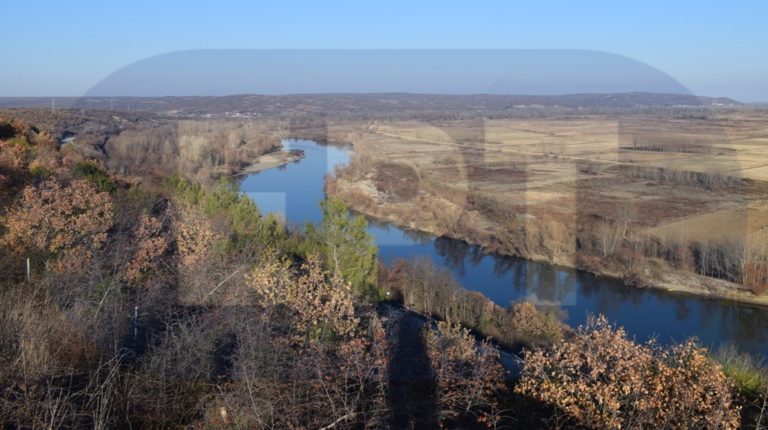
[[268, 105]]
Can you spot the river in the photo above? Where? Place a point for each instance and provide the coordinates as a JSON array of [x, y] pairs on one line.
[[294, 191]]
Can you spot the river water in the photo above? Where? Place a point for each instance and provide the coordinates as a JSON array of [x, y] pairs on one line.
[[295, 190]]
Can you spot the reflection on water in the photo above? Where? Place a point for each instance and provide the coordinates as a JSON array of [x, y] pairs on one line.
[[296, 190]]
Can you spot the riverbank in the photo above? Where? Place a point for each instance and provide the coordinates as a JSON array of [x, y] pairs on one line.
[[364, 198], [573, 193], [507, 280]]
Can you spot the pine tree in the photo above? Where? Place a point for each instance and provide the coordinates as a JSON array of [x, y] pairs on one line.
[[349, 250]]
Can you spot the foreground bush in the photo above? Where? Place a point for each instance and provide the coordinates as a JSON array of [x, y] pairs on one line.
[[320, 304], [600, 379], [137, 313], [277, 383], [329, 366], [534, 326], [468, 377], [66, 222]]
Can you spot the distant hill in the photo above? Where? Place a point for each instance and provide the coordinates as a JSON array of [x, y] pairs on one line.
[[250, 105]]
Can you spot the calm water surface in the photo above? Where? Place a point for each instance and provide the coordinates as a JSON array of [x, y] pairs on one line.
[[295, 190]]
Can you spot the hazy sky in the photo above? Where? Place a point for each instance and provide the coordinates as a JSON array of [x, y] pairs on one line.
[[64, 48]]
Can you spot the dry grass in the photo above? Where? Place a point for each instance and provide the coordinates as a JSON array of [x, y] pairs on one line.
[[544, 188]]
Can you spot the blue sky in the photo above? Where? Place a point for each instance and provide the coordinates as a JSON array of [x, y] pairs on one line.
[[63, 48]]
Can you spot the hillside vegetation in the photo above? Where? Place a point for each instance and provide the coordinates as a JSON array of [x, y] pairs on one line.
[[175, 304], [138, 146]]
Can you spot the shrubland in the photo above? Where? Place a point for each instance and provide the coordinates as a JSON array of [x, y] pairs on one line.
[[180, 305], [600, 379], [143, 308]]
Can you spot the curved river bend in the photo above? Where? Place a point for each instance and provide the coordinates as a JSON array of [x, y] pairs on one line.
[[295, 190]]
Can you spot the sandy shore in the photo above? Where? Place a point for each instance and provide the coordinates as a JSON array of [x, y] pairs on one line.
[[268, 161]]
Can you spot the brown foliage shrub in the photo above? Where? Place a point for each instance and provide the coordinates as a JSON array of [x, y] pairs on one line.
[[67, 222], [322, 304], [192, 233], [152, 242], [533, 326], [14, 161], [600, 379], [468, 376]]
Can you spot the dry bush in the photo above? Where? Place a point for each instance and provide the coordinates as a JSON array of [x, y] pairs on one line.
[[754, 268], [278, 383], [25, 155], [327, 369], [93, 399], [192, 233], [468, 375], [152, 242], [45, 358], [39, 339], [177, 374], [68, 222], [533, 326], [675, 249], [590, 263], [737, 259], [322, 304], [13, 164], [398, 182], [424, 286], [610, 236], [600, 379]]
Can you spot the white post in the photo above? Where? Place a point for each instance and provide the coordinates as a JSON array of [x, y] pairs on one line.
[[135, 322], [28, 269]]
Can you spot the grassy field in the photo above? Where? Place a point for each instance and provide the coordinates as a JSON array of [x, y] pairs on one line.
[[663, 201]]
